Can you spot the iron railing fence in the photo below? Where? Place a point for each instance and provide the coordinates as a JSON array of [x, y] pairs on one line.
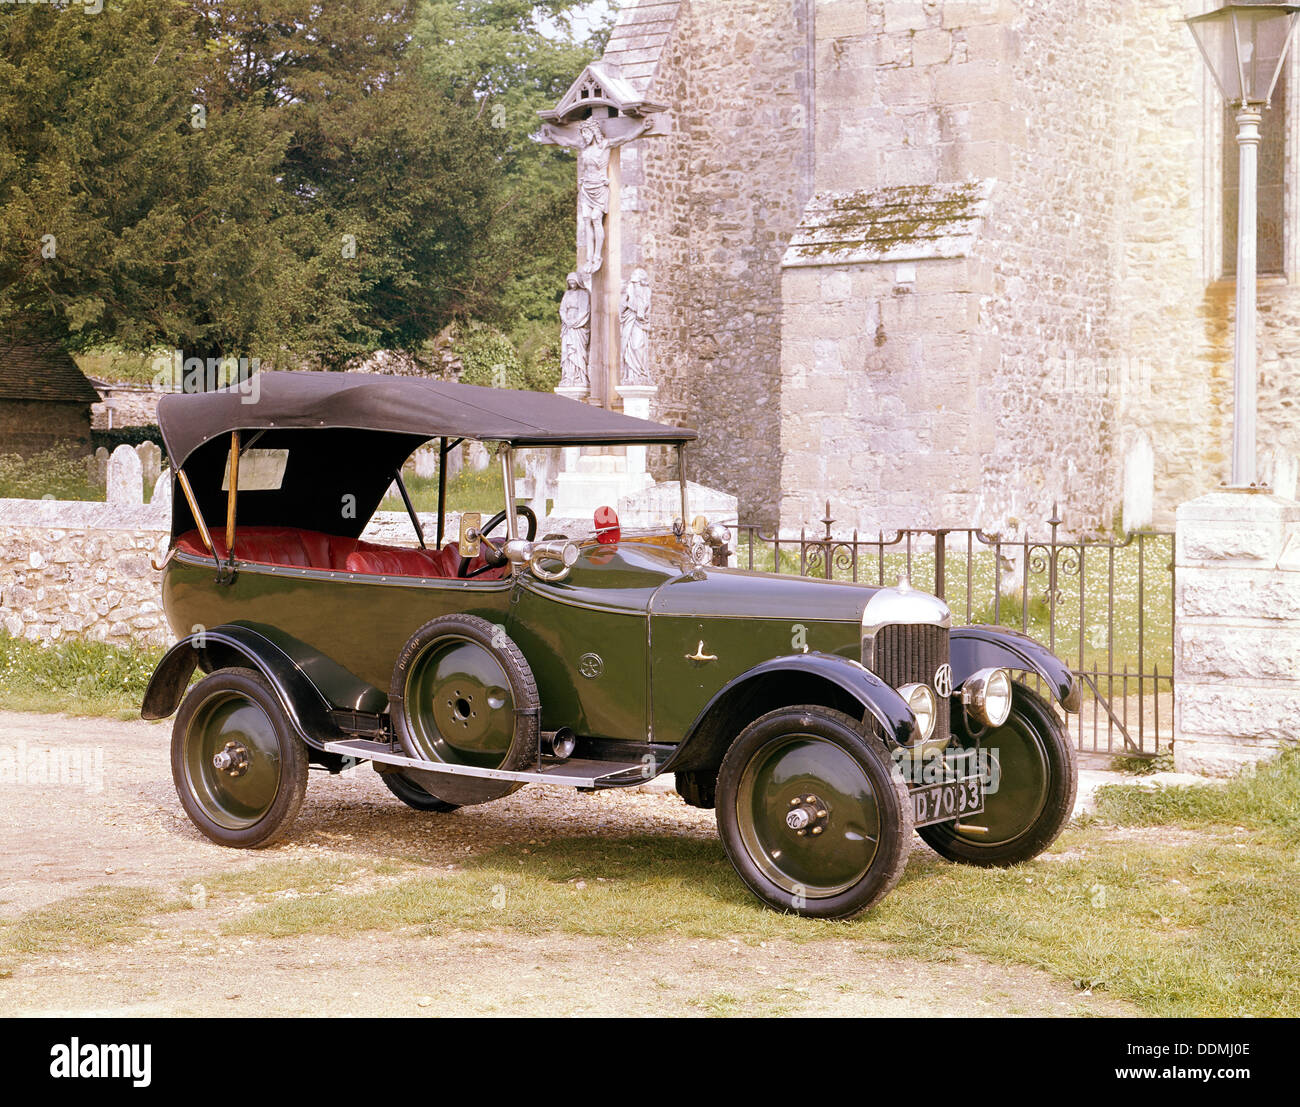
[[1104, 605]]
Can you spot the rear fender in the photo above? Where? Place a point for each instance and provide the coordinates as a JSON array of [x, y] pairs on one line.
[[308, 684]]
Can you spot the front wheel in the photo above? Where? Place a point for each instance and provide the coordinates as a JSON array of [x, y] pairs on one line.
[[239, 767], [1032, 778], [813, 813]]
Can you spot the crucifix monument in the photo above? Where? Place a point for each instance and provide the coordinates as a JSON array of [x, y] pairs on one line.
[[599, 114]]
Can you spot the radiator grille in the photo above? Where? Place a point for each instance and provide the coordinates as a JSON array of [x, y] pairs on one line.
[[908, 653]]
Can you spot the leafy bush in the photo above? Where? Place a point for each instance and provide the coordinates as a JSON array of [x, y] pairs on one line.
[[489, 358], [51, 473], [128, 436], [543, 373]]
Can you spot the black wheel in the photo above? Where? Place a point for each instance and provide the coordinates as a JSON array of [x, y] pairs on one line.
[[413, 795], [463, 694], [813, 813], [239, 767], [697, 788], [1033, 774]]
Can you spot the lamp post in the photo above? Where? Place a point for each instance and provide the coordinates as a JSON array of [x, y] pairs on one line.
[[1245, 45]]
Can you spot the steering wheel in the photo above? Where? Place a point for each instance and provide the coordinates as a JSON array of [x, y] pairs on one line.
[[493, 555]]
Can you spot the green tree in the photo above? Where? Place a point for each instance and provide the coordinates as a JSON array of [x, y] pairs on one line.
[[238, 177], [491, 53], [128, 211]]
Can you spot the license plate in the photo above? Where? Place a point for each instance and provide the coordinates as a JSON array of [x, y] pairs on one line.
[[948, 800]]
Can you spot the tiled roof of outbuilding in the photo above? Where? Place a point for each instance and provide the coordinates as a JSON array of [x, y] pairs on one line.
[[42, 372]]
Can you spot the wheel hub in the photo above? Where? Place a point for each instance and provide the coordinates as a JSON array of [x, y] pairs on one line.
[[808, 815], [233, 760]]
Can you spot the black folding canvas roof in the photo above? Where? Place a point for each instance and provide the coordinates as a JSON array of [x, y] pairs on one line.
[[342, 437], [401, 405]]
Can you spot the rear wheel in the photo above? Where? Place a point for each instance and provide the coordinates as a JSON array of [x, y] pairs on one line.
[[414, 796], [813, 813], [1033, 776], [239, 767]]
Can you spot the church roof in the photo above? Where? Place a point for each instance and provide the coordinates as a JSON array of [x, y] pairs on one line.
[[42, 372], [903, 223], [639, 38]]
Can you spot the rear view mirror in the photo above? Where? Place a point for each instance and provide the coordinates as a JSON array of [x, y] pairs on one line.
[[470, 523]]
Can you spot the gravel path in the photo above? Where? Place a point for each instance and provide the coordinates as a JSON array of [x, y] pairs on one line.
[[103, 811]]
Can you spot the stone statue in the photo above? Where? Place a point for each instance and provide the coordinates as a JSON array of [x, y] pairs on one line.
[[575, 332], [635, 317], [593, 181]]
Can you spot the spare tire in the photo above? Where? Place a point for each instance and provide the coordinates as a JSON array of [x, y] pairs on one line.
[[463, 694]]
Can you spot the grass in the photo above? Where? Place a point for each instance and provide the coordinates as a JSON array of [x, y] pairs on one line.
[[48, 475], [1266, 797], [111, 364], [469, 490], [1203, 925], [1199, 921], [76, 677], [102, 916]]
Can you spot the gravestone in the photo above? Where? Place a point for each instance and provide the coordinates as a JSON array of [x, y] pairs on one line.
[[150, 462], [162, 492], [101, 466], [425, 462], [125, 481]]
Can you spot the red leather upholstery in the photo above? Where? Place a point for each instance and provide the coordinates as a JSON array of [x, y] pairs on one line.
[[309, 549], [396, 562], [304, 549]]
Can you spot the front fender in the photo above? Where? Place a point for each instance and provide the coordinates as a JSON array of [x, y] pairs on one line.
[[873, 695], [308, 684], [985, 647]]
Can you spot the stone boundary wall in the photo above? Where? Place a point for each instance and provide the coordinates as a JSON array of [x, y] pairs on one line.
[[84, 570], [1236, 631], [125, 405], [81, 570]]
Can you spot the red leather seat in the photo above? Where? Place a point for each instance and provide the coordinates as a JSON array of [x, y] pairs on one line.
[[303, 549], [396, 562], [309, 549]]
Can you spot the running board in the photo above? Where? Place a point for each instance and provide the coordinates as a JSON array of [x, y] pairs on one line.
[[574, 773]]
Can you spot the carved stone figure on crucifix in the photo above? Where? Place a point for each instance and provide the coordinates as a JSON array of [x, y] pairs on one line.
[[575, 332], [593, 180], [635, 312]]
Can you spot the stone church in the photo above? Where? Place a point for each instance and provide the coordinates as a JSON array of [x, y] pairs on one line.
[[949, 262]]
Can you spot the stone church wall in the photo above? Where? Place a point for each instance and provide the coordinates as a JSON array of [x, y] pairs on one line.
[[713, 206]]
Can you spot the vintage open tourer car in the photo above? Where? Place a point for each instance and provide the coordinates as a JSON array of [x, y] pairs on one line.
[[824, 720]]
